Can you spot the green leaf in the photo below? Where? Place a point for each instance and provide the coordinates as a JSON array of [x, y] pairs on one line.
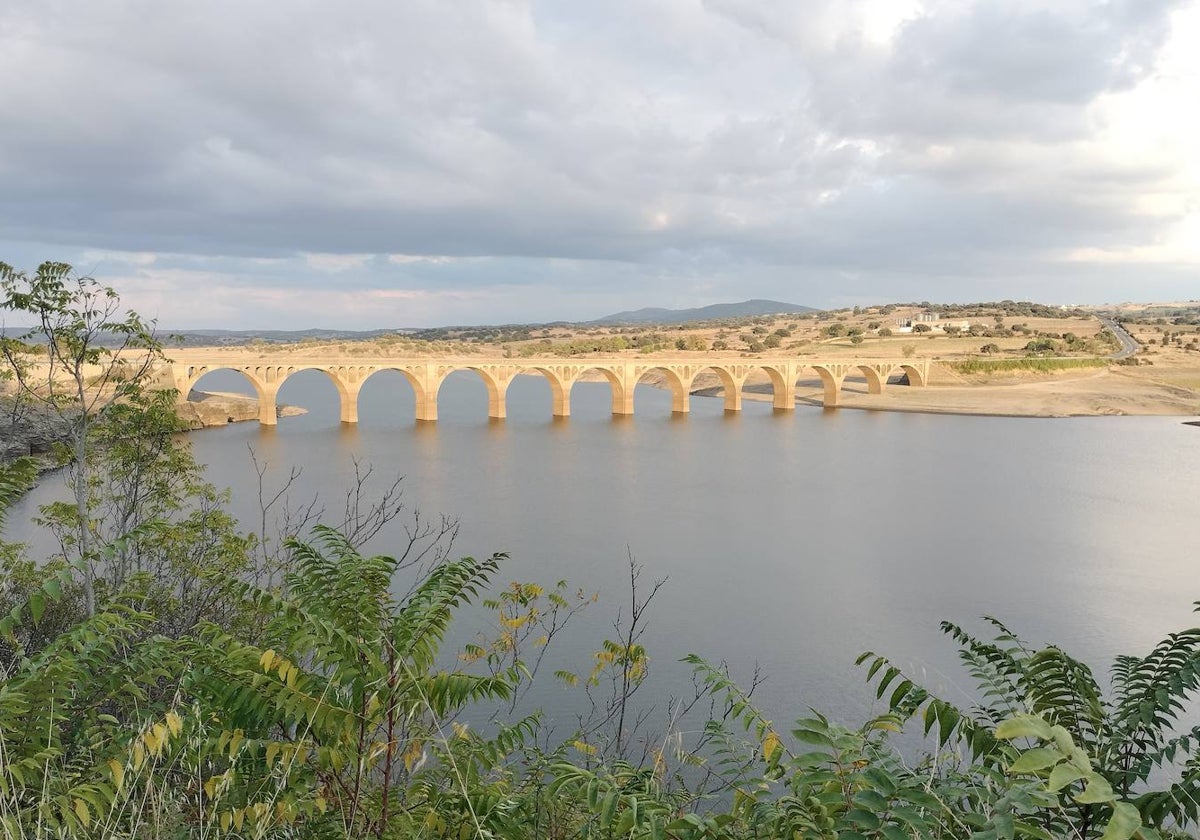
[[1125, 821], [1063, 775], [1037, 759], [1098, 790], [1024, 726], [37, 605], [863, 819], [871, 801]]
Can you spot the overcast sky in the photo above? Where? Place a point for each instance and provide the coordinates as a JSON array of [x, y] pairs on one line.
[[417, 162]]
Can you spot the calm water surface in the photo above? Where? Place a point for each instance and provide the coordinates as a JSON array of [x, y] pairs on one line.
[[794, 540]]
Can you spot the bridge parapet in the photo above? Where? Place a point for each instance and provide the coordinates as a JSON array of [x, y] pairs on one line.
[[623, 374]]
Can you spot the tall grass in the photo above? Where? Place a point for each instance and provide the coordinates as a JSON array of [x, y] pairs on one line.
[[1042, 365]]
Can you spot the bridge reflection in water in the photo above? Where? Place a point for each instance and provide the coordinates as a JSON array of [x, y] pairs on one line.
[[623, 375]]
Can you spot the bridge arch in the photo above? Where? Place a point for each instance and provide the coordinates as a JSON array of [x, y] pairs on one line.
[[347, 402], [783, 393], [560, 391], [915, 376], [194, 374], [419, 394], [875, 382], [267, 411], [622, 403], [495, 389], [679, 391], [831, 381], [732, 388]]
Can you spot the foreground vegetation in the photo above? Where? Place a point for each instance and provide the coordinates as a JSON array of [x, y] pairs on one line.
[[166, 675]]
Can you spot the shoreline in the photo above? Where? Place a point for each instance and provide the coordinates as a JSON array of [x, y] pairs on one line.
[[1099, 394], [210, 409]]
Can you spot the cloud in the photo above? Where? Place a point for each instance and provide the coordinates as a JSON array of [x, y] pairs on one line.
[[687, 152], [335, 263]]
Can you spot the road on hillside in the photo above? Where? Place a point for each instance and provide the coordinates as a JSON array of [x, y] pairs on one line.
[[1129, 345]]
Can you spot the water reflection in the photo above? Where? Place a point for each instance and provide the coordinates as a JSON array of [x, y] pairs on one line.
[[797, 539]]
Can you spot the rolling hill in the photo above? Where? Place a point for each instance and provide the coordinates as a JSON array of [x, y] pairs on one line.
[[746, 308]]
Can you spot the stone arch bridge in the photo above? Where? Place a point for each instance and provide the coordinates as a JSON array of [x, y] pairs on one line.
[[623, 374]]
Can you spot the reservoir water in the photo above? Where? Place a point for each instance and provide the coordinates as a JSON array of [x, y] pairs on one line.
[[793, 540]]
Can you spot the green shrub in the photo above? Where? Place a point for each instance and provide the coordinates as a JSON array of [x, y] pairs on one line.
[[1044, 365]]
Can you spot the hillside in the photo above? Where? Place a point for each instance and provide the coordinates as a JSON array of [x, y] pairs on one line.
[[746, 308]]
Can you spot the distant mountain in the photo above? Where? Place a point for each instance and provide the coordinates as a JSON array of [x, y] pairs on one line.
[[191, 338], [745, 309], [208, 338]]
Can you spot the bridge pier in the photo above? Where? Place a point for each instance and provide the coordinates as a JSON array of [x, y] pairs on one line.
[[681, 399], [497, 405], [268, 411], [785, 397], [623, 402], [831, 396], [497, 382], [350, 403], [875, 382], [427, 407]]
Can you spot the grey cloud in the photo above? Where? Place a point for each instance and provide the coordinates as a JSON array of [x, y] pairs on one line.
[[993, 68], [676, 146], [1056, 53]]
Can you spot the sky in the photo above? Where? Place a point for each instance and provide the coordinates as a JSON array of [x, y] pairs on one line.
[[356, 165]]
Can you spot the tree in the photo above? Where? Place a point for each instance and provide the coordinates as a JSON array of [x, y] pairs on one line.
[[922, 328], [147, 502], [990, 348], [1042, 345], [86, 357], [1127, 734]]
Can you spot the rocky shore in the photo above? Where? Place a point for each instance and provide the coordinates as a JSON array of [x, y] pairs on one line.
[[213, 408], [34, 431]]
